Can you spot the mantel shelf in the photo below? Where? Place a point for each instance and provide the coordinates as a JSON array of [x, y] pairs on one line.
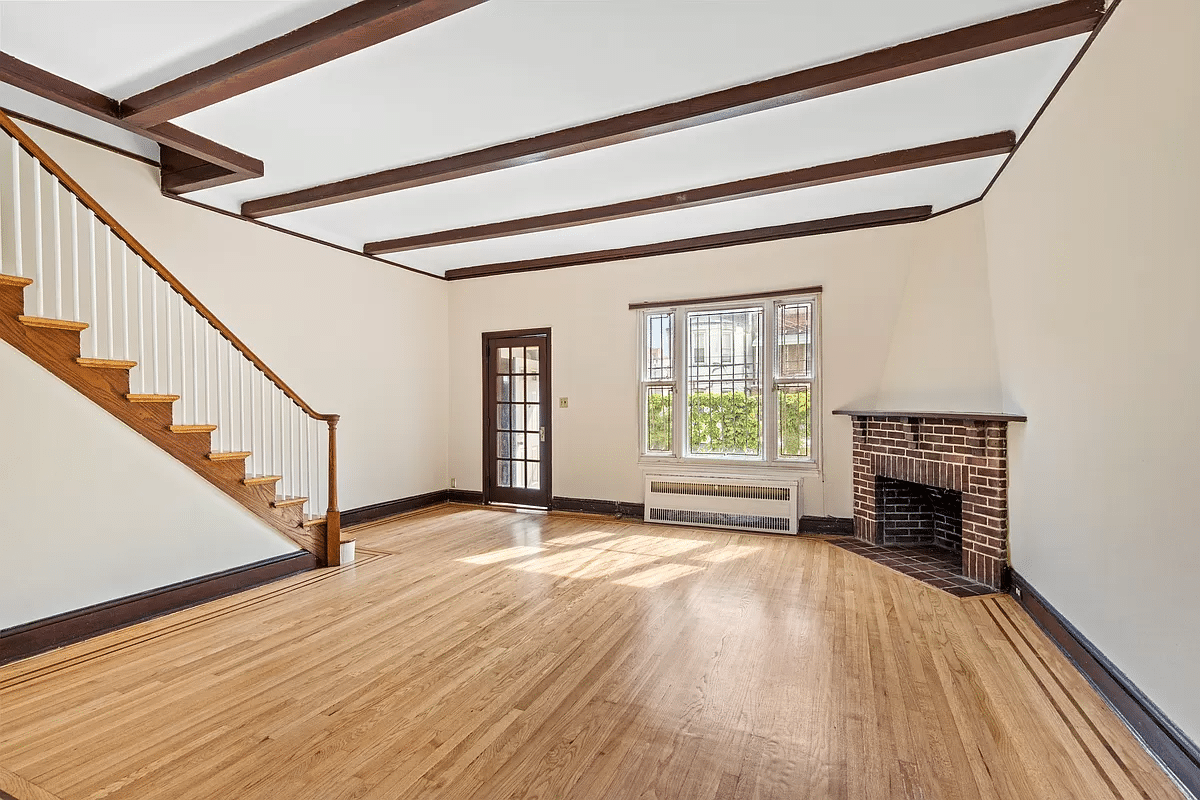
[[991, 416]]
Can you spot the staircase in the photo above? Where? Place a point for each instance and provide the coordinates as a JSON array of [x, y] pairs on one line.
[[80, 296]]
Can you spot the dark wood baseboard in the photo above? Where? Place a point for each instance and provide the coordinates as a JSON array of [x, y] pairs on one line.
[[1169, 744], [611, 508], [827, 526], [465, 496], [73, 626], [392, 508]]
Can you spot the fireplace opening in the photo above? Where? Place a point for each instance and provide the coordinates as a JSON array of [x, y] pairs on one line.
[[916, 514]]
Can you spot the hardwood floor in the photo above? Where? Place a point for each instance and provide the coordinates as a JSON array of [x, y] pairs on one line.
[[473, 653]]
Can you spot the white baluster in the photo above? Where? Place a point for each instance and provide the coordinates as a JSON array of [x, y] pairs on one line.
[[127, 354], [265, 424], [56, 216], [234, 433], [170, 345], [196, 373], [108, 270], [181, 312], [143, 356], [306, 463], [283, 470], [221, 426], [95, 320], [207, 415], [154, 355], [247, 435], [16, 196], [75, 259], [38, 284]]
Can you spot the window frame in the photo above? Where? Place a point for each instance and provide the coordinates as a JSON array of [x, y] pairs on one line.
[[681, 358]]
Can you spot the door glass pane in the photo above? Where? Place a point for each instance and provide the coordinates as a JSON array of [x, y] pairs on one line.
[[518, 445], [533, 474], [503, 388], [518, 360], [532, 394], [518, 389], [505, 416], [532, 416], [518, 474], [502, 445], [532, 364], [505, 477], [532, 446], [502, 360], [795, 437]]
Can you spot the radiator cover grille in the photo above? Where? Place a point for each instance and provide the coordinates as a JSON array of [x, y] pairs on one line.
[[723, 502]]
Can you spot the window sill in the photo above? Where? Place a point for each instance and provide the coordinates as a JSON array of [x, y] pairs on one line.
[[702, 466]]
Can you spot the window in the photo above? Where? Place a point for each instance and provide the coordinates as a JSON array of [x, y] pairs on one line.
[[746, 389]]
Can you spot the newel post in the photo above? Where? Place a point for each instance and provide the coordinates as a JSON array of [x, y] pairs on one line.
[[333, 517]]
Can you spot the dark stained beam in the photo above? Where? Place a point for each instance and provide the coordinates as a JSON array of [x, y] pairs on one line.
[[935, 52], [223, 164], [793, 230], [346, 31], [994, 144]]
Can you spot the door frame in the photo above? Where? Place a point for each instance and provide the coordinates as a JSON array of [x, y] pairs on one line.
[[547, 446]]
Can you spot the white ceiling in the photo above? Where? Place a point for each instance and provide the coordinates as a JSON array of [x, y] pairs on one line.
[[509, 69]]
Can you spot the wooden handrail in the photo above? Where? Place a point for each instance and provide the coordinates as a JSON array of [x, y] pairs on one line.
[[54, 169]]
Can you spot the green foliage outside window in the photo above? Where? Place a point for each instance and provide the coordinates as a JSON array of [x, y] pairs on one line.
[[729, 423]]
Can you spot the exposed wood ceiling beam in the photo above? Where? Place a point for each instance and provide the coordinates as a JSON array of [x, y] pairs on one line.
[[221, 164], [850, 222], [922, 55], [346, 31], [994, 144]]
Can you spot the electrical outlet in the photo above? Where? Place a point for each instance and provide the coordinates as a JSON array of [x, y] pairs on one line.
[[454, 483], [562, 402]]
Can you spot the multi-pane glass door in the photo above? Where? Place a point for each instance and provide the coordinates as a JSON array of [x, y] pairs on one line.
[[517, 424]]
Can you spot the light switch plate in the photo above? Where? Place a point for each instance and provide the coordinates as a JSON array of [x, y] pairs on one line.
[[562, 402]]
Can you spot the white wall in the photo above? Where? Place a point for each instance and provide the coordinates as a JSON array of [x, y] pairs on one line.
[[942, 354], [864, 275], [352, 336], [1095, 280], [94, 512]]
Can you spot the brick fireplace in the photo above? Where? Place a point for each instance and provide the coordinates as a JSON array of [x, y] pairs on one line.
[[935, 479]]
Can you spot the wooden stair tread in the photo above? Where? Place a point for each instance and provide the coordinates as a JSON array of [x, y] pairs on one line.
[[262, 480], [13, 280], [191, 428], [311, 521], [152, 398], [231, 456], [56, 324], [284, 502], [105, 363]]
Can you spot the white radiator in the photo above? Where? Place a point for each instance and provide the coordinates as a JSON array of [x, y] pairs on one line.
[[719, 501]]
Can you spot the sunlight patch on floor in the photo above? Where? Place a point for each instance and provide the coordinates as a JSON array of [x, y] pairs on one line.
[[581, 538], [652, 545], [727, 553], [507, 554], [657, 576], [585, 563]]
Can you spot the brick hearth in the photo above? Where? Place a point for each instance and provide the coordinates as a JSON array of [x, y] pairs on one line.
[[959, 454]]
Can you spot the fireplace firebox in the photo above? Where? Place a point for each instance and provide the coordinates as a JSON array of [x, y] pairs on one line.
[[935, 478]]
